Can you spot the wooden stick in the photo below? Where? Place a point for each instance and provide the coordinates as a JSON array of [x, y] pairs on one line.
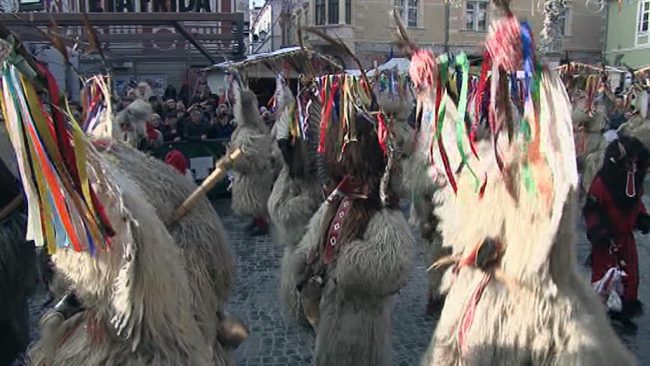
[[444, 261], [209, 183], [11, 207]]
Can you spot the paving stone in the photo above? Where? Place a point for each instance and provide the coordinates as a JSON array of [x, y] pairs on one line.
[[275, 341], [255, 300]]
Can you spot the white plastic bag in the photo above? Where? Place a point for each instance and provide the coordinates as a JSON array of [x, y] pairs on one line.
[[610, 288], [610, 136], [614, 302]]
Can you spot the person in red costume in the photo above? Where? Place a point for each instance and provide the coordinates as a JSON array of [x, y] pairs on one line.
[[613, 211]]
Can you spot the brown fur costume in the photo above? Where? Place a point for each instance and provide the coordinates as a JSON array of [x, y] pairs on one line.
[[253, 174], [295, 195], [372, 260], [537, 310]]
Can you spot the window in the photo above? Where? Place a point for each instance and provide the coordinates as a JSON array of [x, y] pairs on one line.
[[319, 12], [565, 22], [286, 34], [643, 23], [348, 11], [333, 12], [476, 15], [408, 11]]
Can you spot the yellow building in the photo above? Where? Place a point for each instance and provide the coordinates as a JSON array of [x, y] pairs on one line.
[[365, 25]]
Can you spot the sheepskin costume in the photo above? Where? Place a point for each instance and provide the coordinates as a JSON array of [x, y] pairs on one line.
[[18, 270], [398, 105], [252, 172], [355, 255], [590, 143], [283, 97], [128, 125], [296, 193], [157, 295], [140, 315], [412, 180], [418, 180], [589, 127], [637, 126], [143, 91], [515, 296]]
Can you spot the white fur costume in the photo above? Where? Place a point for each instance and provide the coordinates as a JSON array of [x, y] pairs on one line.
[[157, 297], [547, 314]]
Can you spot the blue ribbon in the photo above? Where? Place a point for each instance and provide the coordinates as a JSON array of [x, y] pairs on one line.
[[528, 52]]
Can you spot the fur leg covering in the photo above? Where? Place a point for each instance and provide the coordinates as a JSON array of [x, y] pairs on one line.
[[18, 278], [200, 234], [138, 296], [189, 297], [357, 299], [291, 204], [253, 173]]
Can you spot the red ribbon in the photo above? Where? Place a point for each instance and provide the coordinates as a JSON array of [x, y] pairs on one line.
[[445, 163], [62, 135], [467, 318], [328, 104], [382, 131], [480, 94]]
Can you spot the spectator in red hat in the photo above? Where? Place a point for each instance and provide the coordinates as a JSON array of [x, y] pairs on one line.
[[178, 161]]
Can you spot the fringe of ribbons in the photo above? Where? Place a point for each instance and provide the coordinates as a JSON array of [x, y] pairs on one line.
[[51, 149]]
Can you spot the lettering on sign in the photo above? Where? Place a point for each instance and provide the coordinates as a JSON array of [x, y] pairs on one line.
[[152, 6]]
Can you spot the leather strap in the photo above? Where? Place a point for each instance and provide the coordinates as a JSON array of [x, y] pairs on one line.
[[334, 234]]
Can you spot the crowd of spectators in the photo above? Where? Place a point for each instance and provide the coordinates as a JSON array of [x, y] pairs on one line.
[[206, 118]]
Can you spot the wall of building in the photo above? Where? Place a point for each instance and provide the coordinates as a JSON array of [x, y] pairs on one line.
[[621, 47], [267, 22], [372, 30]]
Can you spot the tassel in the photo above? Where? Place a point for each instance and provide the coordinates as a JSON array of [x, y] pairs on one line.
[[422, 69], [630, 185], [504, 44]]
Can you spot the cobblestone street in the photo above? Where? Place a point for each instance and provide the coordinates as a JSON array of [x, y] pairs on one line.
[[275, 341]]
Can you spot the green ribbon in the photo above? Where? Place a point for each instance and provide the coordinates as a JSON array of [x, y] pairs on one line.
[[463, 63], [16, 59], [527, 173], [443, 65]]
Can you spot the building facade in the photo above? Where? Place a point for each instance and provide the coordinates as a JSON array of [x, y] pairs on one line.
[[156, 53], [461, 25], [274, 25], [628, 34]]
